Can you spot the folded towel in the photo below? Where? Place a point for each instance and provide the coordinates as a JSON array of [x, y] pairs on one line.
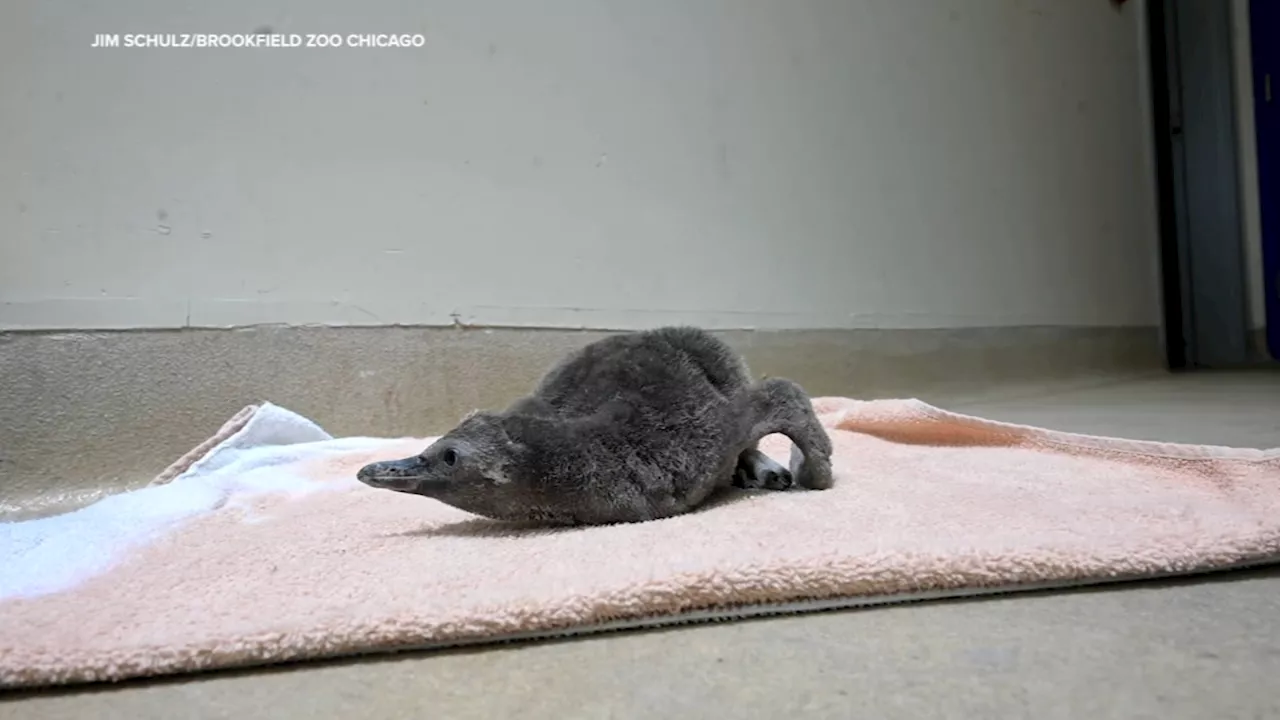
[[260, 546]]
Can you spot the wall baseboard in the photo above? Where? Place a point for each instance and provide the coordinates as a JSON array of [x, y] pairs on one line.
[[86, 414]]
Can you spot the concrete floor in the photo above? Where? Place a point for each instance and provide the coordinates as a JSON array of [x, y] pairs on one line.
[[1202, 648]]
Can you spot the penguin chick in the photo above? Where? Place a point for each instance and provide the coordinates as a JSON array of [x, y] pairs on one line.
[[634, 427]]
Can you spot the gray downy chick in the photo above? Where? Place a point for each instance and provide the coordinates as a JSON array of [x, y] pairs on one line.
[[634, 427]]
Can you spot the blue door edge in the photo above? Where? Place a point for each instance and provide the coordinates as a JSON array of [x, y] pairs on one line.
[[1264, 25]]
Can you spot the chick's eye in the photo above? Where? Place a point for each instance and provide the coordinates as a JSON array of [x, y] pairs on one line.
[[450, 457]]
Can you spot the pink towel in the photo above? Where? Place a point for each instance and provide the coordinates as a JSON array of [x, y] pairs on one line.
[[261, 547]]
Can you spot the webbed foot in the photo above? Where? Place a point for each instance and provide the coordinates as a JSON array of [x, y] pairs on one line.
[[757, 471]]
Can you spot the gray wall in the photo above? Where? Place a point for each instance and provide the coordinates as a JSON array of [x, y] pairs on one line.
[[574, 163]]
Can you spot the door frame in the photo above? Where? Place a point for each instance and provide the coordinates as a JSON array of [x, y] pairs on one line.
[[1203, 267]]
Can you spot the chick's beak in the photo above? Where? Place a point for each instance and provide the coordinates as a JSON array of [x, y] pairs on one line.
[[400, 475]]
